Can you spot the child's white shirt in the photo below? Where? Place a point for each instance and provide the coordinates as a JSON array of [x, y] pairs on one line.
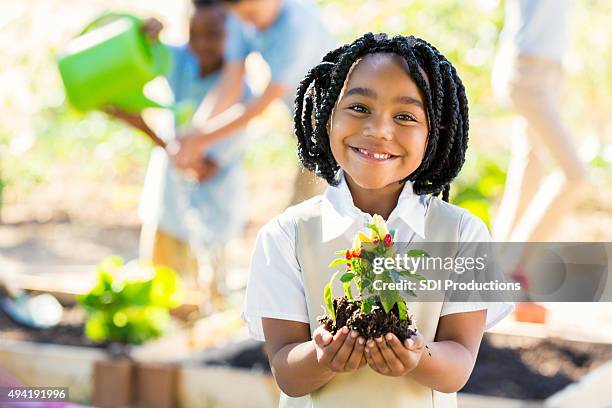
[[275, 288]]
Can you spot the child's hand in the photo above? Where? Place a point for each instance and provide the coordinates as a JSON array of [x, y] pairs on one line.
[[152, 28], [388, 356], [203, 171], [342, 352], [188, 148]]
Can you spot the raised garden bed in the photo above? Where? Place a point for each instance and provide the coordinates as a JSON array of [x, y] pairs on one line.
[[511, 370], [63, 356], [532, 369], [234, 375]]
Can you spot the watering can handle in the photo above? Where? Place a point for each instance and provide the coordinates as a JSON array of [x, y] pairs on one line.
[[161, 56], [105, 18]]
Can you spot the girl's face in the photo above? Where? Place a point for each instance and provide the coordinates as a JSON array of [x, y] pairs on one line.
[[378, 129]]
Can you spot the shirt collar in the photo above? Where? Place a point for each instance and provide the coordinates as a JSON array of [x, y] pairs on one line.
[[340, 213]]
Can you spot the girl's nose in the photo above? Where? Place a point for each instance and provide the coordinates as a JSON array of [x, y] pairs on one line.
[[379, 127]]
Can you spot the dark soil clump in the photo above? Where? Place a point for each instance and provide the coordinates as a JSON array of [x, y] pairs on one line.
[[371, 325], [247, 354]]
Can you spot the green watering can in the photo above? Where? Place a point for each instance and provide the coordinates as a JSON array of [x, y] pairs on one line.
[[110, 62]]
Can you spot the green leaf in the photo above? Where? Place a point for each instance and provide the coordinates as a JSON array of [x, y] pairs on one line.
[[328, 296], [387, 300], [411, 275], [167, 288], [403, 312], [337, 262], [347, 290], [366, 305], [96, 327], [347, 277], [416, 253]]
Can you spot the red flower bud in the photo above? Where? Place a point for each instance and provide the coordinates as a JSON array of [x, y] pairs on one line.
[[357, 253], [348, 254], [388, 241], [375, 241]]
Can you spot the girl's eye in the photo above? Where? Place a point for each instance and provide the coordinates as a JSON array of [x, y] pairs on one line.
[[405, 117], [358, 108]]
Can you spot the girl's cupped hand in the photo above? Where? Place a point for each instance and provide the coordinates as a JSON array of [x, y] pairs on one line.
[[341, 352], [388, 356]]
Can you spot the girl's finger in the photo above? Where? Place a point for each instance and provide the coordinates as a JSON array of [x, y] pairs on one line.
[[354, 360], [377, 358], [364, 360], [416, 342], [322, 338], [337, 341], [368, 358], [401, 352], [393, 362], [342, 356], [329, 351]]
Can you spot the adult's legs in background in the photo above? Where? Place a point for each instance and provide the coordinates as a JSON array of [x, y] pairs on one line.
[[533, 212], [525, 173]]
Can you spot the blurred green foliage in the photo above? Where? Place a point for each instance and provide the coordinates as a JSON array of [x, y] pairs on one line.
[[130, 303], [481, 183]]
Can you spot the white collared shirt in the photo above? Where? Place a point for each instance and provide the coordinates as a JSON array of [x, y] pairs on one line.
[[275, 288]]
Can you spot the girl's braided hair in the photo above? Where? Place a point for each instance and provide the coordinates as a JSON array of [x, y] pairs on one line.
[[446, 107]]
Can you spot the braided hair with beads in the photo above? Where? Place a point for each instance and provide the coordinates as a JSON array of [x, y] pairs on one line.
[[446, 108]]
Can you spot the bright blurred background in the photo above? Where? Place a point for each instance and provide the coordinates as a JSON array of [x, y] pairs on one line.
[[57, 164]]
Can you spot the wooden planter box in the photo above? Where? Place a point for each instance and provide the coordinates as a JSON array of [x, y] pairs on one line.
[[223, 387], [90, 375], [149, 378], [49, 365], [113, 383]]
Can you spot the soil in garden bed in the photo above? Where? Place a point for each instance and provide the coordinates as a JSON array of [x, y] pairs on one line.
[[370, 325], [531, 368], [69, 332], [246, 354]]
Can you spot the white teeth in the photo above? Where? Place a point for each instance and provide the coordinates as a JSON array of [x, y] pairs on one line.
[[378, 156]]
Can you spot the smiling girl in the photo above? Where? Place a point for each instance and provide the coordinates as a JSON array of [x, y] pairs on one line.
[[384, 122]]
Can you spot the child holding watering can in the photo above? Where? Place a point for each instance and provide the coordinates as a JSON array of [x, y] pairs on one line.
[[291, 36], [179, 216]]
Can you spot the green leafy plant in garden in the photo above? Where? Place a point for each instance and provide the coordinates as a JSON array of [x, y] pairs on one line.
[[359, 270], [130, 303]]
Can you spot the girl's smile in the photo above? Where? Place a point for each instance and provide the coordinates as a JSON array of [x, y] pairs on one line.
[[373, 155], [378, 129]]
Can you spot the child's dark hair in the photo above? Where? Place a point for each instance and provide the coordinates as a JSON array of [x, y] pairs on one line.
[[446, 107], [205, 3]]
